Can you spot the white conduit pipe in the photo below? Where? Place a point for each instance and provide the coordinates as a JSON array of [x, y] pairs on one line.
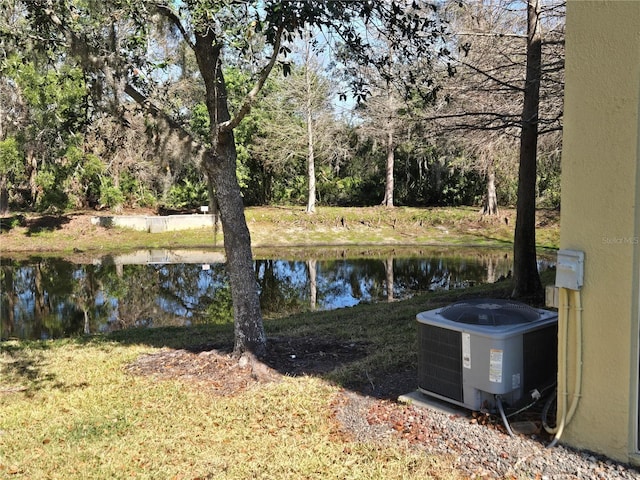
[[577, 388], [563, 322], [563, 334]]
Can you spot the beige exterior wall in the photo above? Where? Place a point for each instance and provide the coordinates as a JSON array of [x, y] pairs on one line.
[[600, 198]]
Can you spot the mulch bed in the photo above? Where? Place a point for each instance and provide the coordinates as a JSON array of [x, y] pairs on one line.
[[215, 367]]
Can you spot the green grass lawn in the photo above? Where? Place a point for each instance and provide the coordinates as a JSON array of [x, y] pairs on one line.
[[69, 409]]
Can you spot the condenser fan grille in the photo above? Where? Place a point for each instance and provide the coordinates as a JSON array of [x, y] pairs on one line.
[[493, 312]]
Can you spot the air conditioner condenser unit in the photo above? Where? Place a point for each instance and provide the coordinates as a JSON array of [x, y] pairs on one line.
[[472, 351]]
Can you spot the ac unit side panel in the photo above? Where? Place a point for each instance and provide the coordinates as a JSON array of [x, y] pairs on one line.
[[540, 357], [496, 364], [440, 361]]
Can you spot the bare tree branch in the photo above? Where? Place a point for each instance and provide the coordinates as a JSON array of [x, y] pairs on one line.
[[486, 74], [158, 113], [173, 17], [245, 108], [492, 34]]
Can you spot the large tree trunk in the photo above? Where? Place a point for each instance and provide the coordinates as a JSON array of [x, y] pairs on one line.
[[220, 165], [525, 269], [221, 168]]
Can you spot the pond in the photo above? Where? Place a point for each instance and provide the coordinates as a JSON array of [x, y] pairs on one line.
[[55, 297]]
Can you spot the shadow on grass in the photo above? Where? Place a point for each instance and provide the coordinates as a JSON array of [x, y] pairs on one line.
[[24, 366], [348, 362], [370, 348], [46, 223], [9, 223]]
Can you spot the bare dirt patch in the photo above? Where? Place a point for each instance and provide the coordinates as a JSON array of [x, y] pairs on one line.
[[215, 367]]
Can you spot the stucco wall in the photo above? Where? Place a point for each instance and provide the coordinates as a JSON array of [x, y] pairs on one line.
[[599, 215], [155, 224]]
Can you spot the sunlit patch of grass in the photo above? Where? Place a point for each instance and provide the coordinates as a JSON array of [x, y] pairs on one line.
[[90, 419], [378, 226], [548, 237]]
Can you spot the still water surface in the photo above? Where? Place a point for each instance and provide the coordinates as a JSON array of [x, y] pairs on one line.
[[53, 297]]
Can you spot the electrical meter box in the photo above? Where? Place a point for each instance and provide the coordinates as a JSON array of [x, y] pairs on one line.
[[570, 269]]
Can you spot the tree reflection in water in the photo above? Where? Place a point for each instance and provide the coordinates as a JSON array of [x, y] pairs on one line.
[[52, 298]]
